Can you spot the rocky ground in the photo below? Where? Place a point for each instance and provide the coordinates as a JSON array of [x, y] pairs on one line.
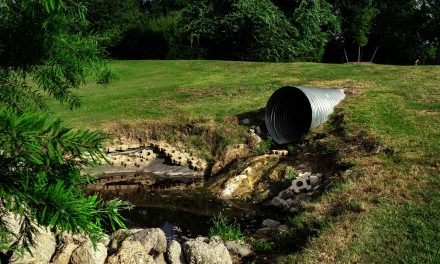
[[134, 246]]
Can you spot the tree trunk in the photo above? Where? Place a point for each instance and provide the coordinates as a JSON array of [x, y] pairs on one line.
[[359, 54]]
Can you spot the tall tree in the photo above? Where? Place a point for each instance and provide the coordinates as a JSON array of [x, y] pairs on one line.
[[357, 19], [40, 158], [316, 24]]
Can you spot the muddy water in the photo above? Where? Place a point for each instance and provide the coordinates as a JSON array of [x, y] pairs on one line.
[[172, 198], [183, 213], [176, 223]]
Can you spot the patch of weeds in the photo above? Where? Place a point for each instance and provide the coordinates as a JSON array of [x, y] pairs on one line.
[[292, 148], [262, 246], [291, 173], [355, 206], [224, 229], [221, 141], [264, 146]]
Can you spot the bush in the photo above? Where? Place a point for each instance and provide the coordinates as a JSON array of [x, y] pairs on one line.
[[227, 231], [260, 31], [264, 146]]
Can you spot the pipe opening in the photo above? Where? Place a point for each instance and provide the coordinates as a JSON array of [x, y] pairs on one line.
[[288, 115]]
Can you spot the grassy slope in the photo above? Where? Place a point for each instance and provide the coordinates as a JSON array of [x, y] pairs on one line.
[[396, 216]]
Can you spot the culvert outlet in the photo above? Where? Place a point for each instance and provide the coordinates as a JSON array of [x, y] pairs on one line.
[[293, 111]]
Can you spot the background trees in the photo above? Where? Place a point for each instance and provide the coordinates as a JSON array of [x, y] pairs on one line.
[[316, 30]]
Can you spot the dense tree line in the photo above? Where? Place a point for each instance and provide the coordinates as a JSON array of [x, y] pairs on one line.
[[398, 32]]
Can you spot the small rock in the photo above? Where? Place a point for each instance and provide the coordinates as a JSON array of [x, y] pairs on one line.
[[239, 248], [270, 223], [246, 121], [175, 253], [280, 203], [314, 180], [258, 130]]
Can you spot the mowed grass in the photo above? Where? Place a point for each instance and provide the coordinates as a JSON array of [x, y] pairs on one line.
[[393, 210]]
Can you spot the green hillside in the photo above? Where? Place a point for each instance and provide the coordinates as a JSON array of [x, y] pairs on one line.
[[385, 210]]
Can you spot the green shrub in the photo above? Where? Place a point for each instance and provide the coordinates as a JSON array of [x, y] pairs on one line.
[[262, 246], [224, 229], [264, 146], [291, 173]]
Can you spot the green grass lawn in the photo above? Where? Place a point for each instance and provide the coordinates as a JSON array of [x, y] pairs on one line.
[[399, 105]]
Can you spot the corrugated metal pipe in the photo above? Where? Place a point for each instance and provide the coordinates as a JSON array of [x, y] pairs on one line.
[[293, 111]]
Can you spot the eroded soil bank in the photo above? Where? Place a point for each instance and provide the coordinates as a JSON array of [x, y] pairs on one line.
[[249, 181]]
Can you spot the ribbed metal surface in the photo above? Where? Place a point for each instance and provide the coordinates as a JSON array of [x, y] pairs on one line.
[[293, 111]]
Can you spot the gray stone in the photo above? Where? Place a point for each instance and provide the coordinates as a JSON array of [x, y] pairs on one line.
[[63, 254], [86, 254], [153, 240], [314, 180], [280, 203], [131, 252], [239, 248], [42, 251], [214, 252], [175, 253], [246, 121], [258, 130], [270, 223]]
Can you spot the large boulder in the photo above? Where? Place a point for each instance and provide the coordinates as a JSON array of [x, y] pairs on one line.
[[86, 254], [131, 252], [64, 253], [42, 250], [175, 253], [200, 252], [153, 240]]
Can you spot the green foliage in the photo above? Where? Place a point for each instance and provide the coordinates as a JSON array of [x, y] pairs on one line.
[[41, 161], [224, 229], [40, 158], [262, 245], [261, 31], [316, 24], [264, 146], [199, 24], [48, 47], [291, 173], [364, 15], [110, 19]]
